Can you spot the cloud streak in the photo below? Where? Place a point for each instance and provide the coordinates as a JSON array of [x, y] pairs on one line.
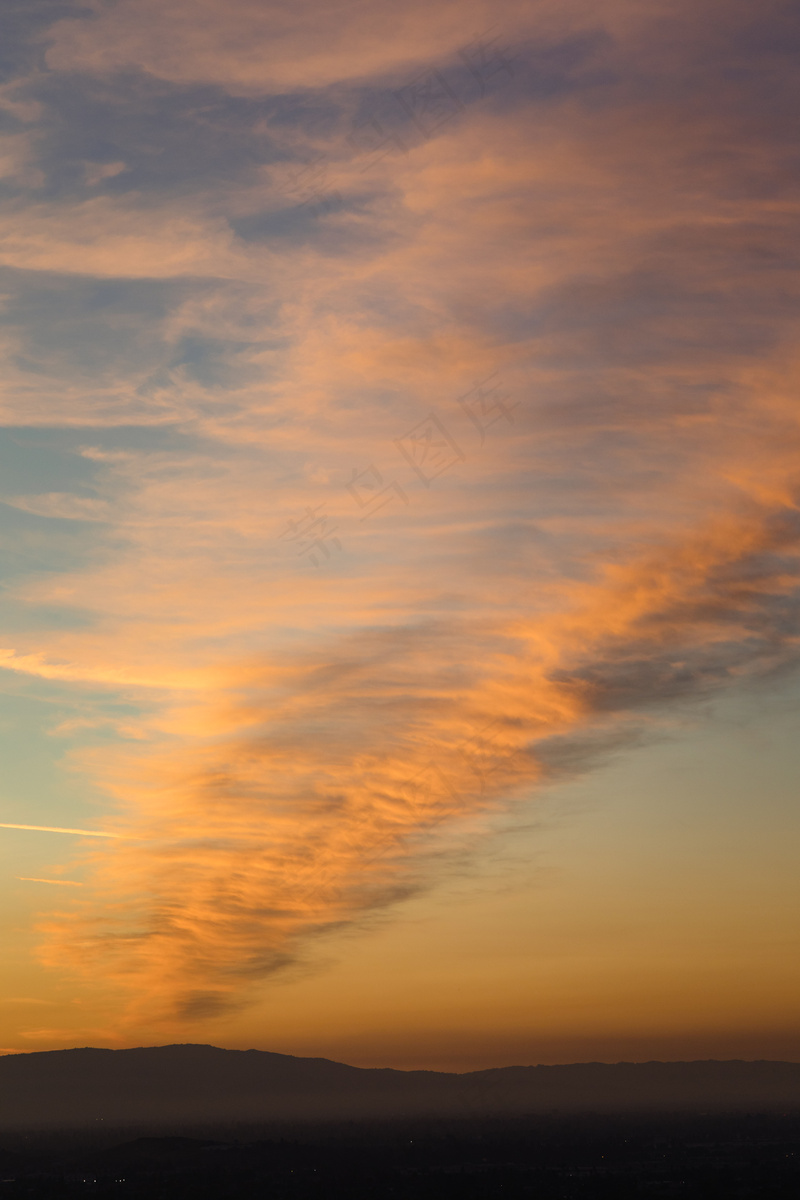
[[58, 829], [57, 882]]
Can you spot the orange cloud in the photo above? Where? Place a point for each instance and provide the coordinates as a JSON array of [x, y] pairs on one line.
[[331, 810]]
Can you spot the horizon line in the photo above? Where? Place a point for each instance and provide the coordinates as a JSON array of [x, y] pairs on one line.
[[5, 1053]]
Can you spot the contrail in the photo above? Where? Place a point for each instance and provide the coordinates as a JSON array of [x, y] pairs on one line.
[[58, 829], [60, 882]]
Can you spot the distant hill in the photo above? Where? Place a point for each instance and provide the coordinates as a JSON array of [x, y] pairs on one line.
[[185, 1084]]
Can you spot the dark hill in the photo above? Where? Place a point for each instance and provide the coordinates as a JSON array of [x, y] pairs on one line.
[[186, 1084]]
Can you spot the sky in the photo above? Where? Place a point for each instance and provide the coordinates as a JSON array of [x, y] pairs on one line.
[[399, 528]]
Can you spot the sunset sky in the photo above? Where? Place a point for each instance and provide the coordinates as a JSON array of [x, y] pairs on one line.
[[399, 466]]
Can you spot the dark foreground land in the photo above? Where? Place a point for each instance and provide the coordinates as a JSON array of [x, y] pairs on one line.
[[205, 1086], [713, 1157]]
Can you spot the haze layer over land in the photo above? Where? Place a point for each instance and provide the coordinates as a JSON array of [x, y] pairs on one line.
[[185, 1086]]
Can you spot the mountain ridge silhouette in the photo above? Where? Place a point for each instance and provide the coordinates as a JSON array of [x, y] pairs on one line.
[[195, 1083]]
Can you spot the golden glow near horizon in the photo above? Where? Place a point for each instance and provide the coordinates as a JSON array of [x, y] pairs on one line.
[[400, 483]]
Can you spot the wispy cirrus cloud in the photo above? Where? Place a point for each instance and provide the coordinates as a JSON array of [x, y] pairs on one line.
[[323, 808]]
